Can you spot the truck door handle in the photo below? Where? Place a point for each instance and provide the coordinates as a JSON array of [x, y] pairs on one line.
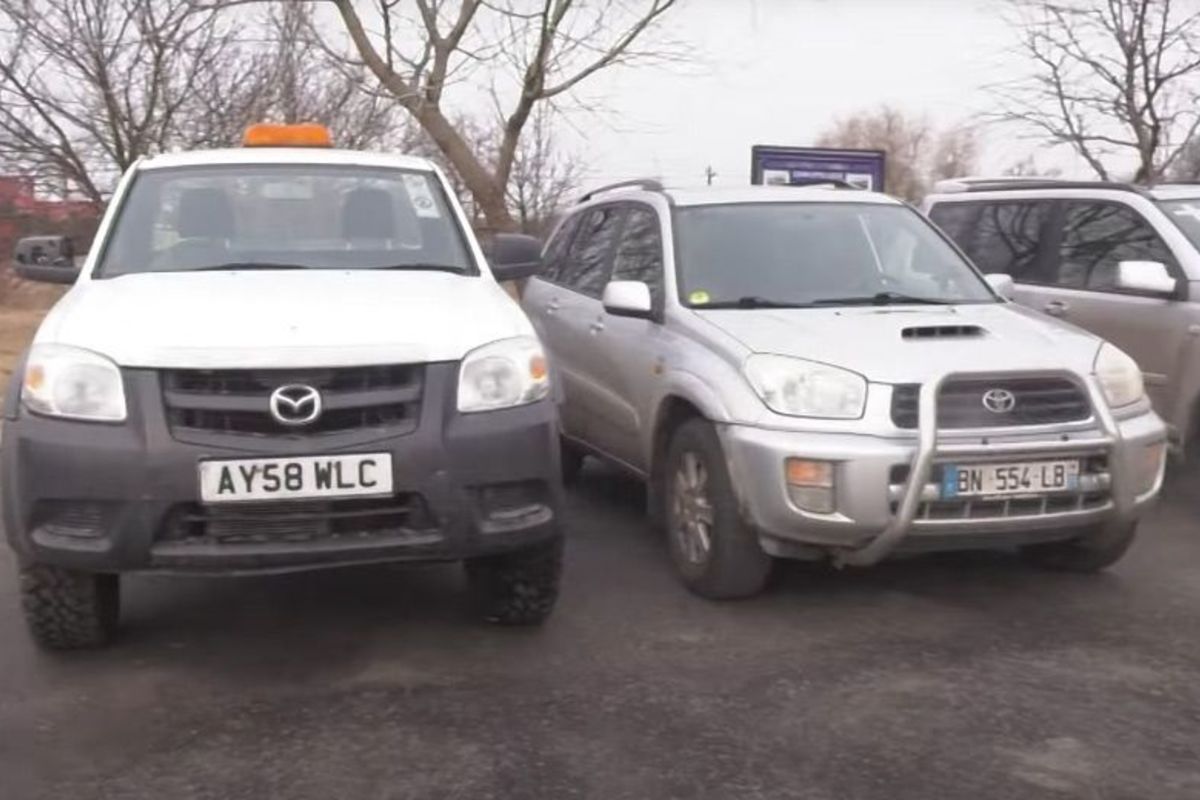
[[552, 307], [1055, 308], [596, 327]]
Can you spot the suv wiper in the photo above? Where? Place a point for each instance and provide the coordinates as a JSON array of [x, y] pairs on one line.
[[747, 302], [420, 265], [247, 265], [881, 299]]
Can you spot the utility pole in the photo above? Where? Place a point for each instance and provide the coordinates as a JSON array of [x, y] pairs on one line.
[[709, 174]]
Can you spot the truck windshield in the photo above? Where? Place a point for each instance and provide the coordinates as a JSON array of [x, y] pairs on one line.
[[817, 254], [1186, 214], [249, 216]]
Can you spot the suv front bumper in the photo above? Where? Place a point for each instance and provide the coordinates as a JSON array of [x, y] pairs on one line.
[[117, 498], [886, 498]]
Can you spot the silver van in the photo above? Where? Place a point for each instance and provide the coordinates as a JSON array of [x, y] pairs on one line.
[[818, 373], [1121, 261]]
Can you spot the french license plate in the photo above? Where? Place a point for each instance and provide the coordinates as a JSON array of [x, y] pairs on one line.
[[354, 475], [1026, 477]]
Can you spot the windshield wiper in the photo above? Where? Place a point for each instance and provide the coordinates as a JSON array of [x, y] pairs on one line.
[[246, 265], [881, 299], [420, 265], [747, 302]]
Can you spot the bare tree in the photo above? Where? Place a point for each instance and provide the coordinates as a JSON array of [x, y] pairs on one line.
[[532, 53], [1187, 164], [1110, 78], [89, 86], [916, 152]]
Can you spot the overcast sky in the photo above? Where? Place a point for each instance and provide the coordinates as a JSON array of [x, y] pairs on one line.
[[780, 71]]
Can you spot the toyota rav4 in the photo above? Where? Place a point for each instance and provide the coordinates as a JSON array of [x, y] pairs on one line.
[[819, 373], [279, 357]]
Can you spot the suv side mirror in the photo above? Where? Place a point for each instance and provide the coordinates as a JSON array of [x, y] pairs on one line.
[[49, 259], [1146, 277], [1001, 284], [514, 256], [628, 299]]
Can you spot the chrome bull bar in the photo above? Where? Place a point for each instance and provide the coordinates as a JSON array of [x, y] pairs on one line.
[[921, 466]]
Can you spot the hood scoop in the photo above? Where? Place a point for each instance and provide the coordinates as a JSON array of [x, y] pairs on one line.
[[942, 332]]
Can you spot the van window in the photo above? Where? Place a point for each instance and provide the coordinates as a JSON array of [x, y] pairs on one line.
[[589, 260], [1097, 237], [640, 253], [1008, 237]]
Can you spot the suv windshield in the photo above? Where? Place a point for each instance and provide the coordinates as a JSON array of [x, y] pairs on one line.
[[1186, 214], [817, 254], [284, 217]]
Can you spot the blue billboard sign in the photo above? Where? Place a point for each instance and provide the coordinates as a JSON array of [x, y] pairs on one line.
[[797, 166]]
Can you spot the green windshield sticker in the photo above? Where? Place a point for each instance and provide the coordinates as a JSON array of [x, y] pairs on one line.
[[699, 297]]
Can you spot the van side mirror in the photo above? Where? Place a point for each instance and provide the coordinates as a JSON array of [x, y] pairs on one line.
[[514, 256], [628, 299], [1146, 277], [1001, 284], [49, 259]]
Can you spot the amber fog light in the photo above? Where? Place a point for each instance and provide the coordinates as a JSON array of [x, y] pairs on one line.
[[1150, 463], [810, 484]]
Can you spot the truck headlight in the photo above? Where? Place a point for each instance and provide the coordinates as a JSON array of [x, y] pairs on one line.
[[70, 382], [1119, 375], [503, 374], [802, 388]]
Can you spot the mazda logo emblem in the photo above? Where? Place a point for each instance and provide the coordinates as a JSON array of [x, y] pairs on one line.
[[295, 405], [999, 401]]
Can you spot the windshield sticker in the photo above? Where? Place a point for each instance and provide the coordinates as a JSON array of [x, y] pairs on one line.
[[1188, 211], [421, 196], [699, 297]]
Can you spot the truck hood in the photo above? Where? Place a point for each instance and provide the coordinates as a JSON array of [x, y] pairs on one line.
[[298, 318], [909, 344]]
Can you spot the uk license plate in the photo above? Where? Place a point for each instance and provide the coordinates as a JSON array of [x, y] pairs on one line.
[[1024, 477], [357, 475]]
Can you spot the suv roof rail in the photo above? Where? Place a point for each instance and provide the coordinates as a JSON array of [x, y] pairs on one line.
[[1022, 183], [649, 184]]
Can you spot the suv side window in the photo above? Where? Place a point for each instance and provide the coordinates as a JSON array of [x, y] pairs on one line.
[[640, 253], [589, 259], [1008, 238], [555, 256], [1097, 236]]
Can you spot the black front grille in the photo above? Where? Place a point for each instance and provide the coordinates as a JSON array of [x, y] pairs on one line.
[[1039, 401], [300, 521], [237, 401]]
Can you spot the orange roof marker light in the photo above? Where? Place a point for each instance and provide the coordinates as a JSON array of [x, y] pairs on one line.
[[305, 134]]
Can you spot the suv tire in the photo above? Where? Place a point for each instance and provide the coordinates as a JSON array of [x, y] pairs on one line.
[[1095, 550], [715, 552], [68, 609], [518, 588]]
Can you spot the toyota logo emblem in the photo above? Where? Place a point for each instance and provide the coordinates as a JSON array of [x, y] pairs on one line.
[[999, 401], [295, 405]]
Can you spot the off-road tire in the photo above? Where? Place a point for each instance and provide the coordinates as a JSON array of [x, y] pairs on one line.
[[68, 609], [1092, 552], [736, 566], [518, 588]]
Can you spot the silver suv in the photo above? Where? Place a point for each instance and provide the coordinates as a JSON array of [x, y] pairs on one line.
[[1121, 261], [818, 373]]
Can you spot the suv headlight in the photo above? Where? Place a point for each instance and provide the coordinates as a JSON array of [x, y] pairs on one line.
[[503, 374], [73, 383], [1119, 375], [802, 388]]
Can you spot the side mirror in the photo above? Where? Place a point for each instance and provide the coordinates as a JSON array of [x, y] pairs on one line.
[[514, 256], [1146, 277], [1001, 284], [628, 299], [49, 259]]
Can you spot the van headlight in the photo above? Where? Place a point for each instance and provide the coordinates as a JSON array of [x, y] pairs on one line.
[[1119, 375], [503, 374], [802, 388], [73, 383]]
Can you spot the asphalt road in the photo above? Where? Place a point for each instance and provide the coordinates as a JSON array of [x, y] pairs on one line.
[[946, 677]]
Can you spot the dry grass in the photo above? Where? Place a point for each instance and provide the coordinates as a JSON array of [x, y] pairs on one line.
[[22, 306]]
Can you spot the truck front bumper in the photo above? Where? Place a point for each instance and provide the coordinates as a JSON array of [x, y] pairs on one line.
[[119, 498], [887, 494]]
